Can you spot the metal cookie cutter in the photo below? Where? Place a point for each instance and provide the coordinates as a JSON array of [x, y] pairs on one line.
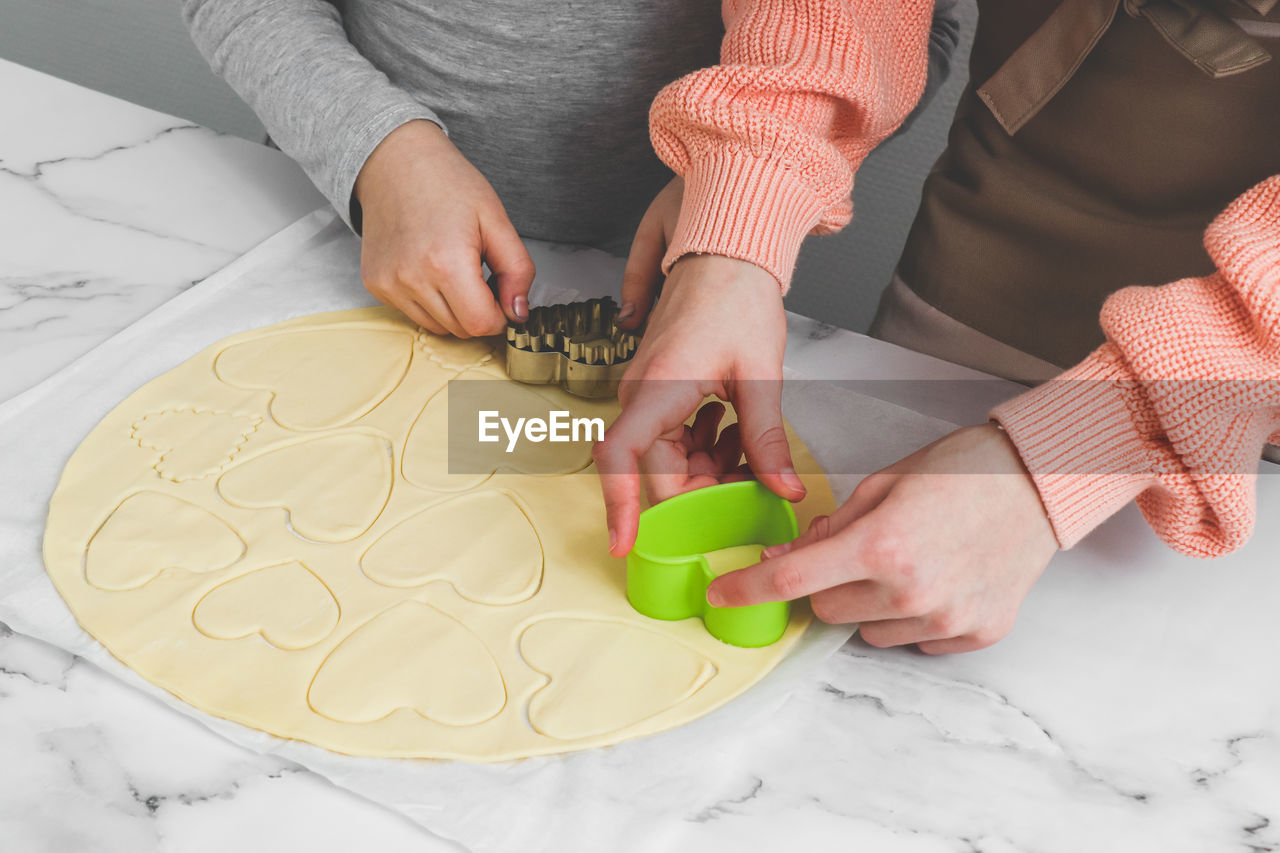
[[577, 346], [668, 572]]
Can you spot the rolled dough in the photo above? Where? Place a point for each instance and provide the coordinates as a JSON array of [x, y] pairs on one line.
[[270, 532]]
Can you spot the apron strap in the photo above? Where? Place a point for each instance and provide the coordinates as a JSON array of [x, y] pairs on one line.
[[1044, 63]]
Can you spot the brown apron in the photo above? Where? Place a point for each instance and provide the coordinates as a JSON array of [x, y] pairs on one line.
[[1095, 142]]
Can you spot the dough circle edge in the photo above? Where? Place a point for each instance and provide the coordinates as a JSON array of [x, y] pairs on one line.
[[247, 680]]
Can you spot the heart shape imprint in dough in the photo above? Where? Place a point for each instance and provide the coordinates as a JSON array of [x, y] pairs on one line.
[[286, 604], [411, 656], [150, 532], [320, 378], [193, 443], [482, 543], [443, 455], [629, 674], [333, 487]]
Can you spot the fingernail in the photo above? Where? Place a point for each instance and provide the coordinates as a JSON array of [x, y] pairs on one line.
[[520, 307], [792, 479], [775, 551], [628, 308], [613, 540], [714, 598]]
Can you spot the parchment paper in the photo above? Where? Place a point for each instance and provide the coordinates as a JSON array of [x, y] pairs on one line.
[[560, 803]]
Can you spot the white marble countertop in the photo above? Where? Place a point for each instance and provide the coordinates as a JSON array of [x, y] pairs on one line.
[[1134, 707]]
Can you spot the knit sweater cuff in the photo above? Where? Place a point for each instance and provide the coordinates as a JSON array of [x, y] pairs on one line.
[[753, 209], [1079, 438]]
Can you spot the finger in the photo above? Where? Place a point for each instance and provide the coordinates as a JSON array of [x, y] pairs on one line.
[[406, 305], [656, 409], [859, 601], [470, 299], [705, 424], [815, 567], [419, 315], [764, 440], [686, 441], [953, 645], [867, 496], [819, 528], [986, 634], [433, 302], [671, 466], [643, 273], [885, 633], [702, 465], [512, 268], [690, 484], [727, 452], [666, 471]]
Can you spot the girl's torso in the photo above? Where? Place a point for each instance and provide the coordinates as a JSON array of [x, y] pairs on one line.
[[549, 99]]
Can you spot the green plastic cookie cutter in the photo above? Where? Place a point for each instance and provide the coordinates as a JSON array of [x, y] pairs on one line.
[[668, 572]]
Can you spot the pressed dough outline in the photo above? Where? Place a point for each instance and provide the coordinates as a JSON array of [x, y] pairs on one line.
[[261, 630], [483, 477], [393, 612], [88, 547], [292, 512], [707, 671], [440, 355], [259, 695], [519, 503], [358, 409], [165, 450]]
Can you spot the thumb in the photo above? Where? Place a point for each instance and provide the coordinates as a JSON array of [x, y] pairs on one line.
[[764, 440], [643, 272], [511, 266]]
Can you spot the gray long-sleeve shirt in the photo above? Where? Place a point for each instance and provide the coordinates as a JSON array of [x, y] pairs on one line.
[[549, 99]]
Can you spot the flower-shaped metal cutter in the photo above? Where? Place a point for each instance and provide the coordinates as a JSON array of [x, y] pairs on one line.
[[577, 346]]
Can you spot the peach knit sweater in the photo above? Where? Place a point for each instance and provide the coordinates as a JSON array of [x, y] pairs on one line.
[[1173, 410]]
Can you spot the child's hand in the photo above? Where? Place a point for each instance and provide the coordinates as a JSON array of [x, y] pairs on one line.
[[938, 549], [718, 330], [430, 218]]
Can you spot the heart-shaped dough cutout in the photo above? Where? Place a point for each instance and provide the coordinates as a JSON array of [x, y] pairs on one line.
[[629, 674], [193, 443], [286, 604], [333, 487], [454, 541], [411, 656], [320, 378], [443, 454], [149, 533]]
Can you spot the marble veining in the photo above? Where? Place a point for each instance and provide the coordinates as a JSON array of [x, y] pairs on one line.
[[111, 209], [962, 768]]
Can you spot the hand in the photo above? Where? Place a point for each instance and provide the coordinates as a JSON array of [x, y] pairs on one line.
[[643, 274], [430, 218], [938, 549], [717, 330], [708, 455]]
